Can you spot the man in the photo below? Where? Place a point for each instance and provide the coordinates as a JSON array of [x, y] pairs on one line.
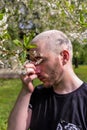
[[60, 102]]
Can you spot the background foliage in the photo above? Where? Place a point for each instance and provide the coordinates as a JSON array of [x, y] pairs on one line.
[[19, 18]]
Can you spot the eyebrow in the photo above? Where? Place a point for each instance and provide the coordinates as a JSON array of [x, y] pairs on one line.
[[35, 53], [32, 57]]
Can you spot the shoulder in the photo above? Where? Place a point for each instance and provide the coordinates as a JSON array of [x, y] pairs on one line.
[[40, 94], [40, 89], [84, 86], [82, 91]]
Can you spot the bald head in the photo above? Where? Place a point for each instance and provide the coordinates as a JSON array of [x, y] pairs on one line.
[[53, 40]]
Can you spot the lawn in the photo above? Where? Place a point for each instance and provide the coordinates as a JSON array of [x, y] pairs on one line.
[[9, 90], [81, 72]]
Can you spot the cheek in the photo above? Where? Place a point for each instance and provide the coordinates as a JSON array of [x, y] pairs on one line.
[[55, 72], [47, 71], [50, 72]]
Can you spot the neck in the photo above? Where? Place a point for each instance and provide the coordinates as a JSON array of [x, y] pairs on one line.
[[68, 84]]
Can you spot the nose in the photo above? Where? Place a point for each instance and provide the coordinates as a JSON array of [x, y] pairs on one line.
[[38, 70]]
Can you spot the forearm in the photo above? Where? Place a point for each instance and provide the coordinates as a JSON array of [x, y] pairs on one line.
[[19, 115]]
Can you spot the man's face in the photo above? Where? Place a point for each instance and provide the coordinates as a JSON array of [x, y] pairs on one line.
[[48, 66]]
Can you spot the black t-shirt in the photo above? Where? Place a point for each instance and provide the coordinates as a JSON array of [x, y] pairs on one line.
[[52, 111]]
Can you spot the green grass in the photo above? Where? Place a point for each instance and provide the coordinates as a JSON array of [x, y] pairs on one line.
[[9, 90], [81, 72]]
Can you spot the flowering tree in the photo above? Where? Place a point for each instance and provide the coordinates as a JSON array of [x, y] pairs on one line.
[[20, 18]]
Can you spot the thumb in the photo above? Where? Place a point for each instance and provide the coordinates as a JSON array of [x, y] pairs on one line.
[[30, 87]]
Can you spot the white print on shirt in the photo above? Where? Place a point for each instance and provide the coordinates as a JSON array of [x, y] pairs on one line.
[[67, 126]]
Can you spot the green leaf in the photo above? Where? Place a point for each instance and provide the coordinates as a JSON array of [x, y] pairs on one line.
[[22, 56], [31, 4], [26, 41], [6, 35], [81, 18], [31, 46], [1, 16], [17, 42], [85, 40]]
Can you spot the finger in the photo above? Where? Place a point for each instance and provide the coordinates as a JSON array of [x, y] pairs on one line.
[[30, 71], [25, 78], [32, 77], [29, 65]]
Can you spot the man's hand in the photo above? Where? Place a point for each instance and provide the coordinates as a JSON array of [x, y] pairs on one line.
[[29, 76]]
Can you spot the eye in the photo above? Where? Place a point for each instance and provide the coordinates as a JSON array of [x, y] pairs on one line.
[[39, 61]]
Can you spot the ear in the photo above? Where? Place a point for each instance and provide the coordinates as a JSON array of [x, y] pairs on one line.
[[65, 56]]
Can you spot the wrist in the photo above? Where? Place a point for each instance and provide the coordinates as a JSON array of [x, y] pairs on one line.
[[28, 88]]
